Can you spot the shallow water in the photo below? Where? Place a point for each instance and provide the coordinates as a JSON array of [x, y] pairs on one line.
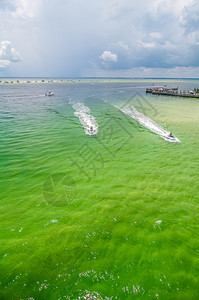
[[113, 215]]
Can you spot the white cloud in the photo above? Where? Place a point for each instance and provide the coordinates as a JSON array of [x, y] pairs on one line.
[[4, 63], [109, 56], [123, 46], [25, 9], [147, 45], [156, 35], [8, 53]]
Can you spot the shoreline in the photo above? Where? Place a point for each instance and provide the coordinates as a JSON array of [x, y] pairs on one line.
[[94, 80]]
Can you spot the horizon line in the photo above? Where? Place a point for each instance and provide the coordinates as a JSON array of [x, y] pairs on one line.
[[94, 77]]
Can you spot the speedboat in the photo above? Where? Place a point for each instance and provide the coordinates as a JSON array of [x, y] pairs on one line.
[[49, 94]]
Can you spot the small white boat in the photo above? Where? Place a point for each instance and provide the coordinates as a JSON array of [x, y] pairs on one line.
[[49, 94]]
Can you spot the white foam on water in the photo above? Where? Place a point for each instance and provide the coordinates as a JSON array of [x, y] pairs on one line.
[[130, 110], [86, 119]]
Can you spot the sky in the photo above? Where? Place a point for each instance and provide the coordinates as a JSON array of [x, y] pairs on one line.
[[106, 38]]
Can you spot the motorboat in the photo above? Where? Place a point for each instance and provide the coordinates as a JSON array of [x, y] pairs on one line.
[[49, 94]]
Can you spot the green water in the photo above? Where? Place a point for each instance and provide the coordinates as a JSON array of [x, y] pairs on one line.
[[114, 216]]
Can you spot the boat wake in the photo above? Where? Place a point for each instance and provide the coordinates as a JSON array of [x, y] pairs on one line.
[[143, 120], [88, 121]]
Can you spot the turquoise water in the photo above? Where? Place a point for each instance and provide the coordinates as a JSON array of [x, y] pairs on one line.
[[113, 216]]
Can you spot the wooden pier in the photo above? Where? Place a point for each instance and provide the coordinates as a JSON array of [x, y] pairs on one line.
[[171, 92], [187, 95]]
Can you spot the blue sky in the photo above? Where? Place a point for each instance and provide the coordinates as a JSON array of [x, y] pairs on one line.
[[77, 38]]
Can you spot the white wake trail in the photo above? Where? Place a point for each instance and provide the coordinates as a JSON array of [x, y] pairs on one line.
[[130, 110], [86, 119]]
